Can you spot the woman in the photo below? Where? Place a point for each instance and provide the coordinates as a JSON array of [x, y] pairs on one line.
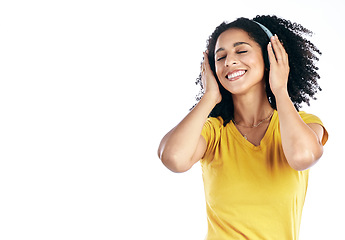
[[254, 145]]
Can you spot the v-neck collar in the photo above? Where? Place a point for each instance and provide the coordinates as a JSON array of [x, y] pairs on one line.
[[238, 136]]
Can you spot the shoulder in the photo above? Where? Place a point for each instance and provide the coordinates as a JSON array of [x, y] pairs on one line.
[[316, 124], [212, 128], [310, 118], [211, 132], [215, 122]]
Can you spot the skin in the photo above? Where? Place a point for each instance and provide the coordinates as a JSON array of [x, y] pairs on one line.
[[183, 146]]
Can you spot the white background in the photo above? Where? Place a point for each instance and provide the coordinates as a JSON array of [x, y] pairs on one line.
[[88, 89]]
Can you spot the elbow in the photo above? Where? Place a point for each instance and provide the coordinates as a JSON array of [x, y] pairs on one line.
[[175, 163], [304, 160]]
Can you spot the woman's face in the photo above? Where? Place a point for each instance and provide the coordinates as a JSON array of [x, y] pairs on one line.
[[239, 62]]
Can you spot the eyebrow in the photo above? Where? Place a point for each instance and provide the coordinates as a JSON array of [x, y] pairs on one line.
[[235, 45]]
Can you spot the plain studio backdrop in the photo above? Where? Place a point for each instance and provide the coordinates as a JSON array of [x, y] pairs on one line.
[[89, 88]]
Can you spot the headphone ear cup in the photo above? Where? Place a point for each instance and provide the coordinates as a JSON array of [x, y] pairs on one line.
[[266, 60]]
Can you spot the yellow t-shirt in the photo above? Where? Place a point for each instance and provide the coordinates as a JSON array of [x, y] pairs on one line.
[[251, 191]]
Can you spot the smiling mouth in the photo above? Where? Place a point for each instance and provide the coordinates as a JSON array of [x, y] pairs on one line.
[[235, 75]]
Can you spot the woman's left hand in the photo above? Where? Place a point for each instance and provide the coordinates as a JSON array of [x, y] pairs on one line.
[[279, 66]]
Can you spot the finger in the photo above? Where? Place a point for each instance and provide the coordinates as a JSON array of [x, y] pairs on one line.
[[206, 63], [279, 49], [205, 58], [202, 66], [282, 49], [203, 69], [271, 55]]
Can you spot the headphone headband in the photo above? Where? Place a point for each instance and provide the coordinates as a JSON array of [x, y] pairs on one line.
[[268, 32]]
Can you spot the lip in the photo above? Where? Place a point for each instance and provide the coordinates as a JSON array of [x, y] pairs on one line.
[[235, 74]]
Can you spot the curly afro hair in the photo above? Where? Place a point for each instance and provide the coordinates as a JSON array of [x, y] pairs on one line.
[[302, 82]]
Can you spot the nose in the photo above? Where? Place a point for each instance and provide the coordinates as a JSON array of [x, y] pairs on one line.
[[230, 60]]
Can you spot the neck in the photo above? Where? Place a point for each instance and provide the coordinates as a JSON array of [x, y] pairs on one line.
[[251, 108]]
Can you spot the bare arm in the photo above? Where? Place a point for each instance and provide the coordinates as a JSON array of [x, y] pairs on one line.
[[183, 146], [301, 142]]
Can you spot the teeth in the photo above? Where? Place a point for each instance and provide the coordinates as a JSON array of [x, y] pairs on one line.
[[236, 74]]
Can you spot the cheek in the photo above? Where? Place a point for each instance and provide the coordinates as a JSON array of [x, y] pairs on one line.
[[256, 61], [219, 70], [250, 59]]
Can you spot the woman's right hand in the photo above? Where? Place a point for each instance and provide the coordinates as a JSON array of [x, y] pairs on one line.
[[184, 145], [209, 81]]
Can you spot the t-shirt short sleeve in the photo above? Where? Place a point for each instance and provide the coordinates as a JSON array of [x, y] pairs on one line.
[[211, 133], [310, 118]]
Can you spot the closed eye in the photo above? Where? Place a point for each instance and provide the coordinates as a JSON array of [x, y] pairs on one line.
[[220, 59], [239, 52]]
